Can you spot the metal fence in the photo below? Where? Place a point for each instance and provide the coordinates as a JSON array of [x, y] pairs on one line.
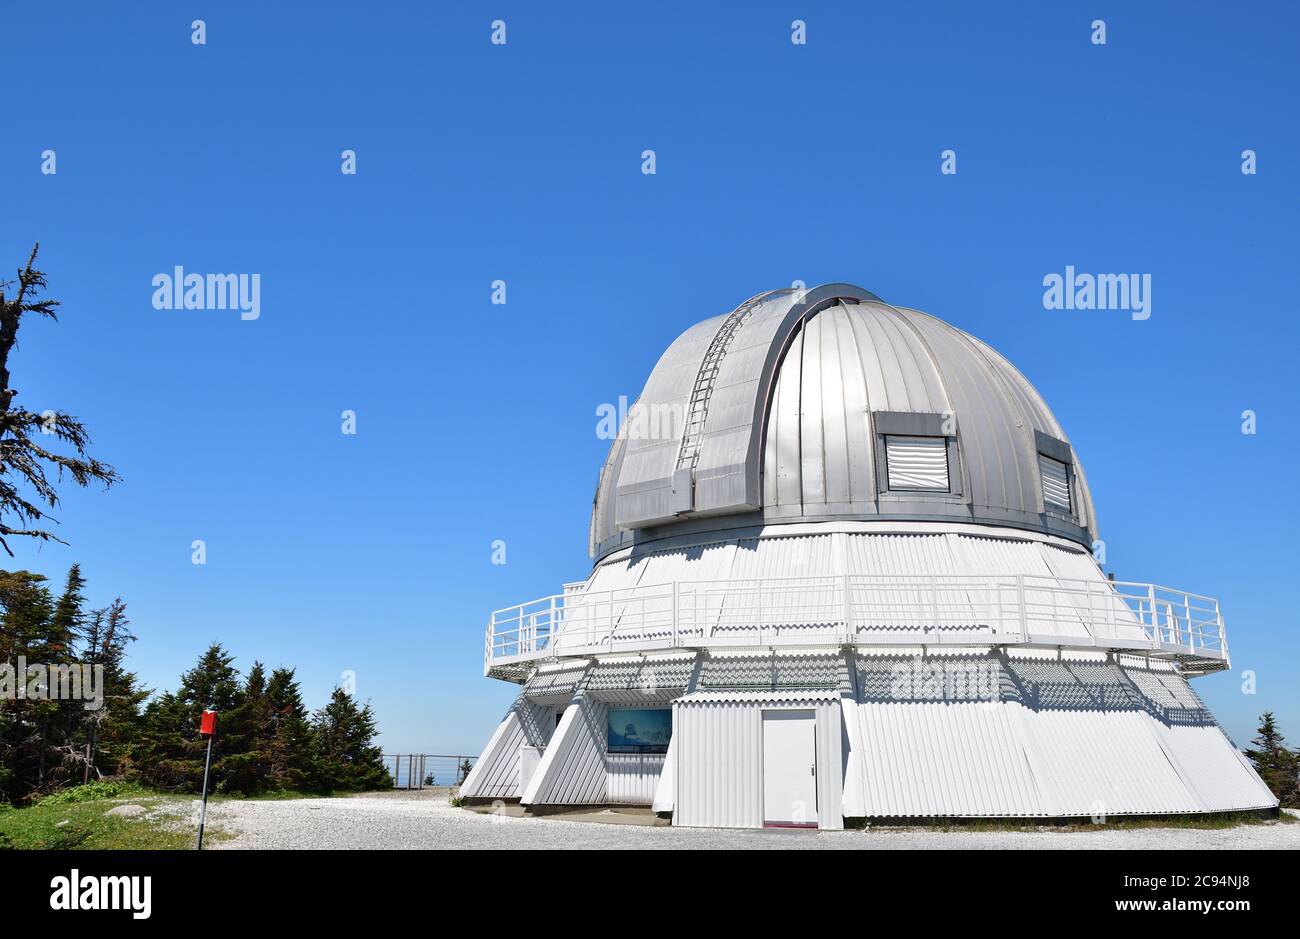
[[422, 770], [862, 609]]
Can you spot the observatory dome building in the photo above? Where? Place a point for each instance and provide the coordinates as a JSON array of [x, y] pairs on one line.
[[844, 568]]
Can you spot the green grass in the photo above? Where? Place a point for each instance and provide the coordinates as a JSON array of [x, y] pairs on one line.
[[75, 818], [106, 789], [54, 826]]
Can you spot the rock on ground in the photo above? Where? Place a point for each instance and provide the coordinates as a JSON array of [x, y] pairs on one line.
[[128, 809]]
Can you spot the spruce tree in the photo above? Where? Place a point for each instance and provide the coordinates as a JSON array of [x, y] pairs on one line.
[[343, 751], [109, 732], [26, 611], [290, 746], [1277, 764], [47, 742], [170, 754], [27, 464], [245, 738], [58, 645]]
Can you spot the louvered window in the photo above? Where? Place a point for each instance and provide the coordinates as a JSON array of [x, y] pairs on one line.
[[1056, 483], [917, 463]]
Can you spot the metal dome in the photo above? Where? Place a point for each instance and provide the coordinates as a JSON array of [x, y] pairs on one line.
[[779, 412], [843, 569]]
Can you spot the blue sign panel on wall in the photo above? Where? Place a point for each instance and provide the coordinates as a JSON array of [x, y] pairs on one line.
[[640, 730]]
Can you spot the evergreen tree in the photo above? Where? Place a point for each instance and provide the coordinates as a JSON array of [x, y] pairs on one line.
[[290, 764], [170, 753], [266, 738], [343, 753], [26, 610], [1277, 764], [58, 644], [245, 738], [26, 463], [111, 730], [48, 741]]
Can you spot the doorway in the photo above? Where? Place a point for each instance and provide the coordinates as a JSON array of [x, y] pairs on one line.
[[790, 769]]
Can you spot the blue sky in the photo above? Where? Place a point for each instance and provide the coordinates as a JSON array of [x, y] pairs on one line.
[[475, 162]]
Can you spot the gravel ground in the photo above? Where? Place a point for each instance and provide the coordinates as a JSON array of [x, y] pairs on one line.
[[416, 820]]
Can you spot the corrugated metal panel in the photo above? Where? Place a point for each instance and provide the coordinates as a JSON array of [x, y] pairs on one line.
[[1097, 611], [806, 671], [900, 554], [572, 771], [941, 758], [1206, 756], [1076, 737], [1213, 767], [603, 599], [774, 558], [698, 562], [1106, 613], [665, 797], [496, 772], [641, 676], [555, 679], [936, 739], [615, 575], [903, 558], [1001, 556], [917, 462], [719, 759], [633, 777], [801, 696], [1105, 762], [770, 560], [1031, 734]]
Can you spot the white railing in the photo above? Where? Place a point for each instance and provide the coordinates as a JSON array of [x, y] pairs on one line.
[[865, 610]]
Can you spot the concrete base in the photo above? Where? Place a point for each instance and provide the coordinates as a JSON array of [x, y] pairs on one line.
[[640, 815]]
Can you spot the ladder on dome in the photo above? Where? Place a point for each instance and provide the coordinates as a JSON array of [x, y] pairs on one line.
[[689, 453]]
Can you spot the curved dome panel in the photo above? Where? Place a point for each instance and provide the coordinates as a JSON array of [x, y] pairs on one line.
[[794, 407]]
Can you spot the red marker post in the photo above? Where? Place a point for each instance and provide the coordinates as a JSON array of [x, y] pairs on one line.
[[207, 728]]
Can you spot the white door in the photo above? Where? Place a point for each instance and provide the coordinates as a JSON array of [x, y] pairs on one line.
[[790, 768]]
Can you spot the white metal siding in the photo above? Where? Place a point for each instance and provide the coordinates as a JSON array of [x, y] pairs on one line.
[[1099, 761], [496, 772], [572, 771], [665, 797], [1079, 737], [926, 758], [719, 766], [1056, 483], [1097, 612], [718, 739], [633, 777], [917, 462], [1215, 770], [1214, 767]]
